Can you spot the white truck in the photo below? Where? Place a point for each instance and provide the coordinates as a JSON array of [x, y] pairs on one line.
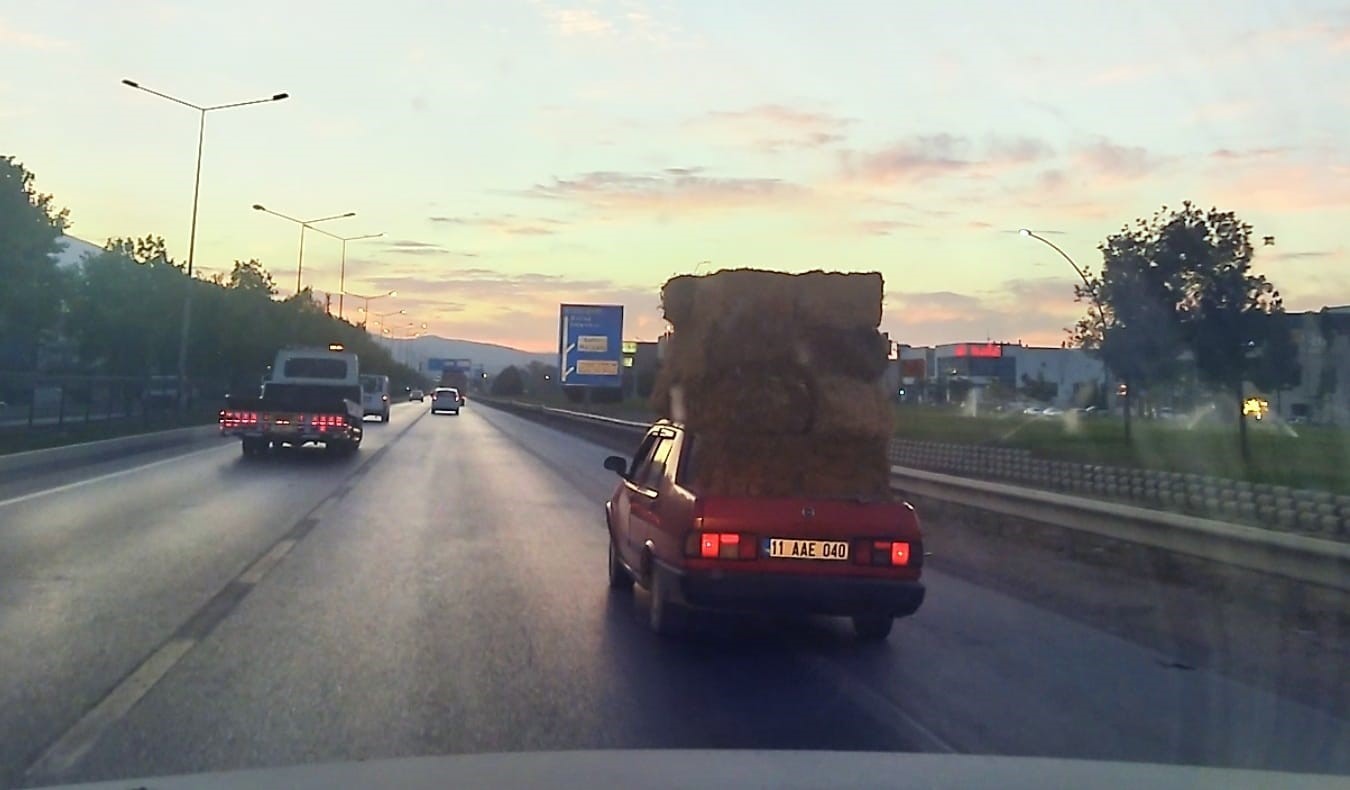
[[312, 395]]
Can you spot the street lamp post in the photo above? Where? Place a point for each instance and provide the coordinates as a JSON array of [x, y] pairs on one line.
[[1087, 285], [342, 274], [202, 110], [304, 224], [379, 317], [365, 309]]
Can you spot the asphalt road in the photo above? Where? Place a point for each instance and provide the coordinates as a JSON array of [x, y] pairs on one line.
[[444, 592]]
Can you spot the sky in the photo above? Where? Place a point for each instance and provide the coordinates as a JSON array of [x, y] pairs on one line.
[[517, 154]]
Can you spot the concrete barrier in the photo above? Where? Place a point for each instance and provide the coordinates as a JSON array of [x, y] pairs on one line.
[[33, 461]]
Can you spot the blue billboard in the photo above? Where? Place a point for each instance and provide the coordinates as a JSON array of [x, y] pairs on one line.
[[437, 364], [590, 345]]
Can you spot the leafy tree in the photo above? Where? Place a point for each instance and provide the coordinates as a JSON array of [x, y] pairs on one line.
[[33, 286], [250, 276], [1234, 320], [1182, 281], [126, 305], [509, 383]]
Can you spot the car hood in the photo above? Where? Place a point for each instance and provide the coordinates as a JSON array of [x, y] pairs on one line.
[[729, 769]]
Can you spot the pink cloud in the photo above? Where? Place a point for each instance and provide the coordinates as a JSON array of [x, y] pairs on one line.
[[1035, 311], [936, 156], [23, 39], [675, 189], [774, 128]]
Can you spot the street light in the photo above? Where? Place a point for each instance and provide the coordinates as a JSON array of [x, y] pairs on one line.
[[1087, 284], [365, 309], [304, 225], [202, 110], [379, 317], [342, 275]]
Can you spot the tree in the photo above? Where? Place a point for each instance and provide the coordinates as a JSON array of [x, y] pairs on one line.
[[250, 276], [126, 305], [1137, 334], [33, 285], [1233, 319], [1182, 281], [509, 383]]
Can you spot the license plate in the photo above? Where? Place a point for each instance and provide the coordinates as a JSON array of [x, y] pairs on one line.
[[789, 548]]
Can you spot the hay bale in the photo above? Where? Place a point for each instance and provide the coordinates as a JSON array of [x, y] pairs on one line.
[[848, 407], [840, 300], [768, 465], [859, 352], [677, 299], [753, 399]]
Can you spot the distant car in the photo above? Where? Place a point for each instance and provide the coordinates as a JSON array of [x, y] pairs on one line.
[[1032, 411], [1052, 411], [417, 395], [446, 399], [375, 396]]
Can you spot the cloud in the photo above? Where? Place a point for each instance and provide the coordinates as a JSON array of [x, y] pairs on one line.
[[668, 190], [1120, 162], [882, 227], [579, 23], [410, 247], [934, 156], [508, 224], [1035, 311], [519, 309], [1304, 255], [22, 39], [1230, 155], [774, 128]]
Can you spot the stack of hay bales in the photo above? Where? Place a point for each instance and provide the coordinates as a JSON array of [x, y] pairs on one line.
[[778, 377]]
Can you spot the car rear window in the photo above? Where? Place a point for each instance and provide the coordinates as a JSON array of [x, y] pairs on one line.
[[315, 368]]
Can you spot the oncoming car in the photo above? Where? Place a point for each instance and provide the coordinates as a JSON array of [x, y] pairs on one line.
[[445, 399]]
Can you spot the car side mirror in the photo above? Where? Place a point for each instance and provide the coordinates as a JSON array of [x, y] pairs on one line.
[[617, 464]]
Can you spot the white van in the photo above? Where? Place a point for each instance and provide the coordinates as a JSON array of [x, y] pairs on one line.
[[375, 396]]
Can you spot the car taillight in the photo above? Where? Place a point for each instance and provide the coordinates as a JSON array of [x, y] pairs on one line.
[[230, 418], [326, 422], [895, 553], [720, 545]]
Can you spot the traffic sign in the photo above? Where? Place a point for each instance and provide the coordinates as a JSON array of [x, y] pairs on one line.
[[590, 345]]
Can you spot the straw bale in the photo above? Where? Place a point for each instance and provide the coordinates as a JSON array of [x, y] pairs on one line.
[[852, 407], [840, 300]]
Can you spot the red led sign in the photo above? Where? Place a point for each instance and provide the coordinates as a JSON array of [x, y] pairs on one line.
[[980, 350]]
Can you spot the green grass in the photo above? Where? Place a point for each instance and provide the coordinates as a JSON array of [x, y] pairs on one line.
[[1318, 457], [20, 439]]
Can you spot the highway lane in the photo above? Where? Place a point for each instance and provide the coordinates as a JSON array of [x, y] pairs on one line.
[[454, 601], [100, 564]]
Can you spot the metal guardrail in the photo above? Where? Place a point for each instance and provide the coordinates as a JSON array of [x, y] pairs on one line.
[[1298, 557]]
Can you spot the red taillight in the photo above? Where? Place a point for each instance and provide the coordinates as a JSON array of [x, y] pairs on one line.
[[895, 553], [720, 545], [230, 418]]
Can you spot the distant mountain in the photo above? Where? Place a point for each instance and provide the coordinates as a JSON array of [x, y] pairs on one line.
[[491, 356]]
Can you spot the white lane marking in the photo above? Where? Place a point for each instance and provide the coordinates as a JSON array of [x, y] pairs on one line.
[[876, 704], [67, 750], [108, 476], [259, 569]]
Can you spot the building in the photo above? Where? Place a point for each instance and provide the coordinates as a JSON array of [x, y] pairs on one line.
[[1060, 376], [1322, 395]]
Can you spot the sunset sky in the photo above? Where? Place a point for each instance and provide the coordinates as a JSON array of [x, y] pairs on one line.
[[520, 153]]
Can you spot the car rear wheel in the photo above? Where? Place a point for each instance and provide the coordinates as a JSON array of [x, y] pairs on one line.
[[667, 617], [872, 627], [252, 448], [619, 577]]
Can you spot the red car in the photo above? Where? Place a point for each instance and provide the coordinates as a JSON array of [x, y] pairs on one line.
[[860, 559]]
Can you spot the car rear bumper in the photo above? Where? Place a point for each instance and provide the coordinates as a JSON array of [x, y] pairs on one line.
[[796, 594]]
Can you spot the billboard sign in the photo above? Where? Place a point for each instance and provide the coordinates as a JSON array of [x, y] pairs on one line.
[[437, 364], [590, 345]]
